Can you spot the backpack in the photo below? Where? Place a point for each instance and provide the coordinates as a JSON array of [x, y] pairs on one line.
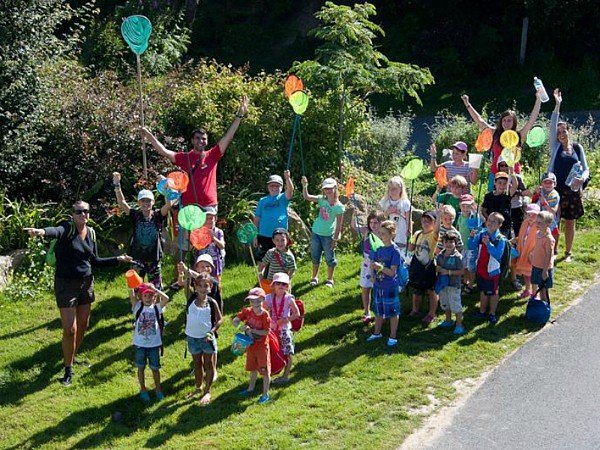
[[278, 359], [161, 322], [506, 255], [538, 311], [297, 323], [51, 253]]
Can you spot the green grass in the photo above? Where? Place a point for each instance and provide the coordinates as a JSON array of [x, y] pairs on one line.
[[344, 393]]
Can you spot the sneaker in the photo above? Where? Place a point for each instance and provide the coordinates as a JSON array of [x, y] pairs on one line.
[[314, 281], [374, 337], [160, 396], [329, 283], [568, 257], [65, 380], [493, 319], [264, 399], [392, 342], [480, 315], [145, 396], [446, 324], [460, 329]]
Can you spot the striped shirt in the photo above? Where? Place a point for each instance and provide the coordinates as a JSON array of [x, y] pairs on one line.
[[452, 170]]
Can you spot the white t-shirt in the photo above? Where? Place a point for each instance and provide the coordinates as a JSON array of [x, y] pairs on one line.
[[402, 206], [146, 332], [198, 321], [279, 311]]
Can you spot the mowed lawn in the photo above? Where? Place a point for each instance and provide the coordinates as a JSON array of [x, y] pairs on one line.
[[343, 392]]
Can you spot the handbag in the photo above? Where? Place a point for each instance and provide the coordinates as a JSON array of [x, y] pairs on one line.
[[538, 311]]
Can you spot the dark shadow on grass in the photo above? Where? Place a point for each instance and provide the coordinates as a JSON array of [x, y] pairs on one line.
[[52, 325]]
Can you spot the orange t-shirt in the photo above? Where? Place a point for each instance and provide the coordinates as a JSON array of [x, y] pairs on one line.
[[260, 321], [542, 254]]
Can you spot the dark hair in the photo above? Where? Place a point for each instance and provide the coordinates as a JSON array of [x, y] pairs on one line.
[[450, 236], [198, 131], [375, 214], [499, 130]]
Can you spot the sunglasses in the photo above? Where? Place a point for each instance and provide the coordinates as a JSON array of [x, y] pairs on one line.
[[81, 211]]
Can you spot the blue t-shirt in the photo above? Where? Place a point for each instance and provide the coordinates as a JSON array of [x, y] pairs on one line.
[[388, 257], [273, 214]]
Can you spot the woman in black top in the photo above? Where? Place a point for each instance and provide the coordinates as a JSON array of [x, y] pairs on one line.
[[76, 253]]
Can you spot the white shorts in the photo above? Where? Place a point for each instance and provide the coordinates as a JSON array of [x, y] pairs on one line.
[[450, 298], [366, 273]]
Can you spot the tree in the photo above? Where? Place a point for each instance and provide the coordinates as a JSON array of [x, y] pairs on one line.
[[349, 63]]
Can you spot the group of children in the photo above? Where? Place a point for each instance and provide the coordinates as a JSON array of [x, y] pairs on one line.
[[459, 246]]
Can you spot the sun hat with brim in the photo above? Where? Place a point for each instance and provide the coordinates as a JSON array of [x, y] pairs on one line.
[[145, 194], [255, 293], [275, 179], [281, 277], [205, 258], [329, 183]]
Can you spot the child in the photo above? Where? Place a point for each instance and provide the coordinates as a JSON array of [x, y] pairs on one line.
[[204, 264], [386, 299], [278, 258], [216, 249], [444, 224], [257, 324], [525, 243], [203, 320], [374, 220], [283, 309], [147, 339], [449, 264], [396, 206], [422, 266], [458, 186], [548, 199], [489, 243], [326, 229], [272, 211], [516, 201], [457, 165], [146, 242], [542, 255], [468, 210], [499, 200]]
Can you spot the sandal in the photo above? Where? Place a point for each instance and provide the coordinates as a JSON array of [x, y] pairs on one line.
[[314, 281], [567, 257], [329, 283]]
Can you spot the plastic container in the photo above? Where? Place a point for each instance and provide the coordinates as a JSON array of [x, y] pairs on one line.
[[240, 343], [539, 86], [133, 279], [576, 172]]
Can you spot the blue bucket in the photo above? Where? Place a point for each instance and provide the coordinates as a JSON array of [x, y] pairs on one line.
[[240, 344]]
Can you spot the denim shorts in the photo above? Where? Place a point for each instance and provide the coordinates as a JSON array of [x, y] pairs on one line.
[[322, 244], [201, 345], [536, 277], [149, 354]]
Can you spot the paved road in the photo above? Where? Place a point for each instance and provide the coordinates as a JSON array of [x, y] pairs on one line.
[[546, 396]]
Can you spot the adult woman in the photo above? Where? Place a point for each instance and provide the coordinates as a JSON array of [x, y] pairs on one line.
[[76, 252], [564, 154], [507, 121], [458, 165]]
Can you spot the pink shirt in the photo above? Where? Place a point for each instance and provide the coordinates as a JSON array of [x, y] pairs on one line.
[[202, 189]]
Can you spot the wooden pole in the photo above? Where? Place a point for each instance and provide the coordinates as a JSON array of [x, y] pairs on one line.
[[139, 77]]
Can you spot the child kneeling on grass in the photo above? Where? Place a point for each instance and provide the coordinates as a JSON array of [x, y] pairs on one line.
[[203, 319], [257, 324], [147, 339], [283, 309], [450, 269], [542, 255], [386, 288]]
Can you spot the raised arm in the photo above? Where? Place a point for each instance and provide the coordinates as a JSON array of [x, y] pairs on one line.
[[157, 145], [532, 117], [433, 155], [239, 115], [482, 124], [553, 127], [305, 194], [289, 185], [119, 193]]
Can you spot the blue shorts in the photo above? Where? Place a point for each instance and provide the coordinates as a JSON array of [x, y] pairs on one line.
[[536, 277], [149, 354], [201, 345], [488, 286], [386, 304]]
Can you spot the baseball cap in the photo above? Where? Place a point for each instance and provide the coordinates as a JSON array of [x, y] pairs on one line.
[[144, 288], [281, 277], [431, 214], [460, 145], [255, 293], [205, 258], [533, 208], [466, 199], [501, 175], [329, 183], [210, 210], [549, 176], [145, 193], [275, 179]]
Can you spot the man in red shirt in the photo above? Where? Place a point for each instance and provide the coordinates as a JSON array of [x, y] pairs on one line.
[[199, 163]]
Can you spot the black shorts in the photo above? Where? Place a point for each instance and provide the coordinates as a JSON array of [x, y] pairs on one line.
[[72, 292]]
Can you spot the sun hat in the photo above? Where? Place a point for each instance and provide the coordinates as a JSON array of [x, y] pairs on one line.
[[549, 176], [205, 258], [533, 208], [145, 193], [255, 293], [281, 277], [329, 183], [275, 179], [460, 146]]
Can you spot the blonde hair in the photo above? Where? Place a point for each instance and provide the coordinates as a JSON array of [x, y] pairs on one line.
[[449, 209], [459, 181], [396, 182], [547, 217], [499, 217], [336, 193], [390, 226]]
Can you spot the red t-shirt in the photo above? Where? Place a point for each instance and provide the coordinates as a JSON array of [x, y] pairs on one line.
[[496, 152], [202, 189], [257, 321]]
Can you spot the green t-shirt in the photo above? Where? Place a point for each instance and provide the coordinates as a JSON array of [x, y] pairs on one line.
[[446, 198], [324, 224], [463, 228]]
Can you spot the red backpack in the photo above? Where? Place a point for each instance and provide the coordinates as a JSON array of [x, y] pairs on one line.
[[278, 359], [297, 323]]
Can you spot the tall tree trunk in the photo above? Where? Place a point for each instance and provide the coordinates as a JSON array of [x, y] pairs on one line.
[[341, 131]]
